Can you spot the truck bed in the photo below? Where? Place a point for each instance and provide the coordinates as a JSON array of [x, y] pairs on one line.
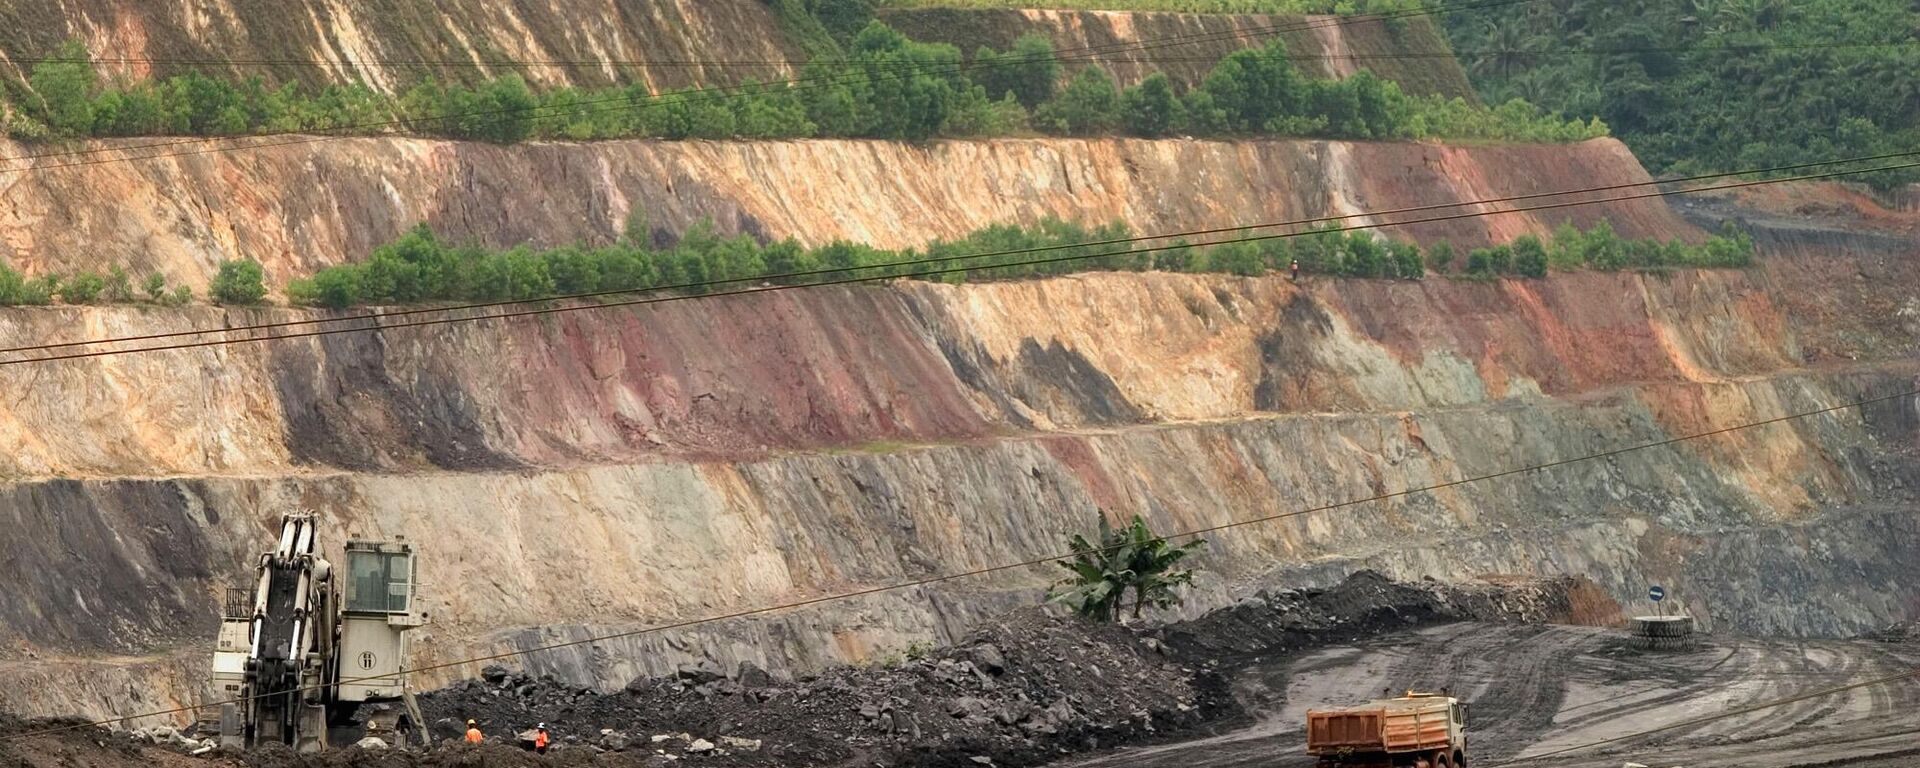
[[1388, 726]]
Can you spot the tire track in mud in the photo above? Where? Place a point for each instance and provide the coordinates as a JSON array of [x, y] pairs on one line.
[[1533, 689]]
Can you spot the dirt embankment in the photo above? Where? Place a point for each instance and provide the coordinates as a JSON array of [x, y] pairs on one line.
[[298, 208], [391, 45]]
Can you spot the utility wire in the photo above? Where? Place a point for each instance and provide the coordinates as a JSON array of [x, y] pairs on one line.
[[965, 257], [710, 93], [929, 272], [926, 581], [672, 63]]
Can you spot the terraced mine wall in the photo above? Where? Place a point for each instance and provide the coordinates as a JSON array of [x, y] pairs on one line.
[[389, 45], [607, 470], [296, 208]]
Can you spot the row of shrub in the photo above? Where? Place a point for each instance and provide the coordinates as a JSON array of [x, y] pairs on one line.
[[239, 282], [1601, 248], [1604, 248], [886, 86], [87, 287], [419, 266]]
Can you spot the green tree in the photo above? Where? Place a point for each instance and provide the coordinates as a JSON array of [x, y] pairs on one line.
[[1500, 259], [12, 286], [507, 106], [119, 287], [66, 86], [155, 287], [842, 18], [337, 288], [1130, 560], [1152, 108], [1529, 256], [1090, 104], [1255, 88], [239, 282], [1406, 261], [909, 87], [770, 112], [1244, 259], [82, 288], [1029, 71], [1440, 256], [837, 100]]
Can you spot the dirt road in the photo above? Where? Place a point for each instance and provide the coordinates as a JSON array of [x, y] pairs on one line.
[[1533, 690]]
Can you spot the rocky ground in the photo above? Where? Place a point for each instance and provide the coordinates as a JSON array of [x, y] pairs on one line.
[[1027, 689], [1533, 690]]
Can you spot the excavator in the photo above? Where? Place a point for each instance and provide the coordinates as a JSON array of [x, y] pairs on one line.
[[302, 664]]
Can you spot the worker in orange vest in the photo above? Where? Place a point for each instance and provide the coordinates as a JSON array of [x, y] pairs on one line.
[[540, 738], [473, 733]]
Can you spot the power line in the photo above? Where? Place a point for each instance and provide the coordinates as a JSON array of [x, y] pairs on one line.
[[695, 95], [911, 262], [673, 63], [929, 272], [930, 580]]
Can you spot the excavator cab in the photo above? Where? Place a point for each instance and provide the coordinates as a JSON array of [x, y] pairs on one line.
[[374, 618]]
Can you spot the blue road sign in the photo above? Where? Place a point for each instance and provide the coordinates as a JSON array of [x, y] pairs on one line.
[[1656, 593]]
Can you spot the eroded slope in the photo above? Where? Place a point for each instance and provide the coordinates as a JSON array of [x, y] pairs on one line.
[[392, 44]]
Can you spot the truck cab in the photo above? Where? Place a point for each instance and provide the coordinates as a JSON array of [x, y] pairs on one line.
[[1416, 730]]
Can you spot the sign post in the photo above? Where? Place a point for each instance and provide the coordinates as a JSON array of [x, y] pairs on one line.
[[1656, 593]]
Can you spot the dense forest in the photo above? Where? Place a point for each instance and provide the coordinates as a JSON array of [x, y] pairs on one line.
[[1710, 85]]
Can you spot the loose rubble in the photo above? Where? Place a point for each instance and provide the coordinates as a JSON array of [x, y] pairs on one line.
[[1023, 690]]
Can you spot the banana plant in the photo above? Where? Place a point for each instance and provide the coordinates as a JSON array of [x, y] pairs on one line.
[[1125, 560]]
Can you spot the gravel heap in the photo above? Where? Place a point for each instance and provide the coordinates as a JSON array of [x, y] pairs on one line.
[[1018, 691]]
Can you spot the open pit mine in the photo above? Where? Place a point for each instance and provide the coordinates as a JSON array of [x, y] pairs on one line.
[[596, 507]]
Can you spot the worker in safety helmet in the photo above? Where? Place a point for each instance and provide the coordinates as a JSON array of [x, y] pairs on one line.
[[540, 738], [473, 733]]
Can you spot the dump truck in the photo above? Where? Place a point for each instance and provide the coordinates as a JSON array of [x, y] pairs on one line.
[[1417, 730]]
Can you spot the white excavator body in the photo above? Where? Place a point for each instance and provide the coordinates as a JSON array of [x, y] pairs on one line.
[[293, 660]]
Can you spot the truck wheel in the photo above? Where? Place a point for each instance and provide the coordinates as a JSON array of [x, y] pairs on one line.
[[1459, 760]]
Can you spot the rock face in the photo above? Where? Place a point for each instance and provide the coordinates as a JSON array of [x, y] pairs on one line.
[[296, 208], [1134, 44]]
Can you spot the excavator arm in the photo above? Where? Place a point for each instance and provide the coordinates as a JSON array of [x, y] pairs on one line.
[[286, 683]]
